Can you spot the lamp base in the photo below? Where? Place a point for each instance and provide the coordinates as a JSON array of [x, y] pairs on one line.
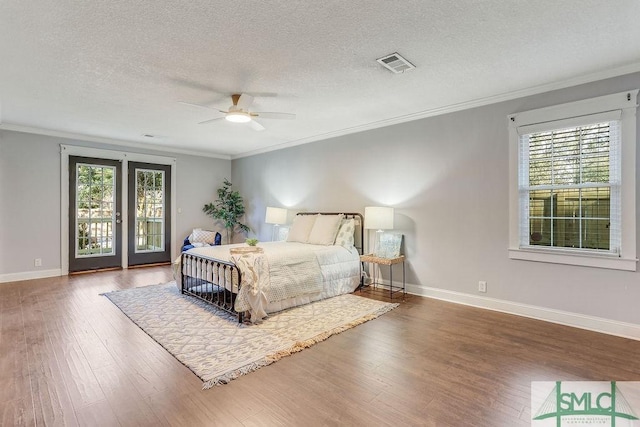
[[275, 233]]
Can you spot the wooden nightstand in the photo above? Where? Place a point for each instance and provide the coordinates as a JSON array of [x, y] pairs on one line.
[[370, 258]]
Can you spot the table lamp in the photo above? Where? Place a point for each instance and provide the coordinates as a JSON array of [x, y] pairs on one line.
[[277, 217], [378, 218]]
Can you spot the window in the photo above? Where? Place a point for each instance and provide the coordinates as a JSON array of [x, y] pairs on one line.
[[567, 188], [572, 195], [94, 209], [150, 215]]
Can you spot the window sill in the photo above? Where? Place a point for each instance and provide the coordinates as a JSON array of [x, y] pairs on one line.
[[584, 260]]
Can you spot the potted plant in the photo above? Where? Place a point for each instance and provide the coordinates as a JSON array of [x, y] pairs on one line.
[[251, 242], [229, 209]]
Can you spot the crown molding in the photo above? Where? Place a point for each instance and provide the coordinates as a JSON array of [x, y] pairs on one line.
[[111, 141], [508, 96]]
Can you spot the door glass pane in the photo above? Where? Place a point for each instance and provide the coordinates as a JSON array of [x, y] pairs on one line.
[[95, 218], [149, 211]]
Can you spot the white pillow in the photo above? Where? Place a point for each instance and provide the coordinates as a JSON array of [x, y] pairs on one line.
[[301, 227], [345, 233], [202, 236], [325, 229]]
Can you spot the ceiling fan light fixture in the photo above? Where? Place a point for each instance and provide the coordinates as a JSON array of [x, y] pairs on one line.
[[237, 117]]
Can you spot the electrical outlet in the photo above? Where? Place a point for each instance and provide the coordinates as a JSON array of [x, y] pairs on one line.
[[37, 262], [482, 286]]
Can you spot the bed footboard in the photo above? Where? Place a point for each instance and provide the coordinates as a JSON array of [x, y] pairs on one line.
[[212, 281]]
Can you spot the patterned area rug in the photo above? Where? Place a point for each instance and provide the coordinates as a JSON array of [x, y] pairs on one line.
[[216, 348]]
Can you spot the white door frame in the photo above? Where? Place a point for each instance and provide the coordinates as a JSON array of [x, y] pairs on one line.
[[125, 157]]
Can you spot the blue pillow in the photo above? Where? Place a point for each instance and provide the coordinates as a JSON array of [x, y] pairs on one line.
[[186, 244]]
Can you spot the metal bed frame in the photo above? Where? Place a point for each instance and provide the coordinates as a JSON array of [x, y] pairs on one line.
[[194, 271]]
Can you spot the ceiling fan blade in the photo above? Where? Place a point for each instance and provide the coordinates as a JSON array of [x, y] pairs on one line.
[[192, 105], [265, 115], [245, 101], [192, 84], [255, 125], [200, 106], [211, 120]]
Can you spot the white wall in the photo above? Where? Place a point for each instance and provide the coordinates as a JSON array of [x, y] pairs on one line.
[[447, 177], [30, 198]]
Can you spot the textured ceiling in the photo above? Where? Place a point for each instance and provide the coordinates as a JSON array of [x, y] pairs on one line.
[[118, 69]]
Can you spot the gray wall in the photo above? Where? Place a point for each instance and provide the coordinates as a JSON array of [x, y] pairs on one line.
[[447, 177], [30, 197]]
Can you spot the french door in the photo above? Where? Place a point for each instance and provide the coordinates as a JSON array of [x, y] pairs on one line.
[[95, 214], [95, 223], [149, 213]]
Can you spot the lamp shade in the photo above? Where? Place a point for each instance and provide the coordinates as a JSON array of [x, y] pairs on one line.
[[276, 216], [378, 218]]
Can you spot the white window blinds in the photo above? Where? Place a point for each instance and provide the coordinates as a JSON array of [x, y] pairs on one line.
[[569, 183]]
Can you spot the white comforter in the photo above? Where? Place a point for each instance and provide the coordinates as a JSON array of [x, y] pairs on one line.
[[288, 274]]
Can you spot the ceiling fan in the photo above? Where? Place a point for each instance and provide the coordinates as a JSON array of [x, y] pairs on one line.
[[239, 112]]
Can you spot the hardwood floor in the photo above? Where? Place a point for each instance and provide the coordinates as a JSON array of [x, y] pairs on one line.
[[70, 357]]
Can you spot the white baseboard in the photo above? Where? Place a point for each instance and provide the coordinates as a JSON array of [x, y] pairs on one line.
[[576, 320], [29, 275]]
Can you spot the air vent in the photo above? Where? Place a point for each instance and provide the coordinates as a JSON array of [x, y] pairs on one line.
[[396, 63]]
